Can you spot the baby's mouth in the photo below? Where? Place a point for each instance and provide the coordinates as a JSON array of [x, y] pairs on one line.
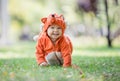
[[55, 34]]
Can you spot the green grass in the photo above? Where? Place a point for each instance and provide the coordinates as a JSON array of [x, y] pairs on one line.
[[94, 69], [18, 63]]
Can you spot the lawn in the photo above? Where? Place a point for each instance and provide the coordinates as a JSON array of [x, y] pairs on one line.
[[98, 63]]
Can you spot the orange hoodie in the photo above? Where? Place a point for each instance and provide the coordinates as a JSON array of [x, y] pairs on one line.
[[45, 46]]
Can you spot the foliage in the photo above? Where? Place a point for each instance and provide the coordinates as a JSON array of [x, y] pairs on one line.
[[29, 12]]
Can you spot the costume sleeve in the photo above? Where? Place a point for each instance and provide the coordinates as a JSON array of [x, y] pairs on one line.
[[40, 56], [66, 50]]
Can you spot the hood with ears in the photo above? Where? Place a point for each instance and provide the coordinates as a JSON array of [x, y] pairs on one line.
[[53, 19]]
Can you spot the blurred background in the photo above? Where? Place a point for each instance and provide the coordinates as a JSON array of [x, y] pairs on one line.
[[94, 22], [92, 25]]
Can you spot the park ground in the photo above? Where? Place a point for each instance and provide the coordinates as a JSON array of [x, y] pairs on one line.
[[92, 57]]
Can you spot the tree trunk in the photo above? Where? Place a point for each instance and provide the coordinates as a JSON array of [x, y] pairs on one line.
[[108, 24], [4, 22], [116, 2]]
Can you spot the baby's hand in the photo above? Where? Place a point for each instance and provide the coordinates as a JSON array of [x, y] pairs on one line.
[[44, 64], [35, 38]]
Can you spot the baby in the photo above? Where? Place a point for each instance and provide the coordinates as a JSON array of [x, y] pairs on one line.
[[53, 47]]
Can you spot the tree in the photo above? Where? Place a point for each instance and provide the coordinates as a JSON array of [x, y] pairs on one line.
[[4, 22], [116, 2], [94, 6], [108, 24]]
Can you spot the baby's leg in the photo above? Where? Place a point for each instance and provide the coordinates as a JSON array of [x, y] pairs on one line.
[[54, 58]]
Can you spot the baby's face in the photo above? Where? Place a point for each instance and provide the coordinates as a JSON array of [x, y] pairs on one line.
[[54, 32]]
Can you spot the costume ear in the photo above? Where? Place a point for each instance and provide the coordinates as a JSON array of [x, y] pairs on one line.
[[44, 20], [62, 17]]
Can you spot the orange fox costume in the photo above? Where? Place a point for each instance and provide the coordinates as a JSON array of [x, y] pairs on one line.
[[62, 46]]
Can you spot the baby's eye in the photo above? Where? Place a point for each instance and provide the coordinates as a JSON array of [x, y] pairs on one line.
[[58, 27], [52, 27]]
